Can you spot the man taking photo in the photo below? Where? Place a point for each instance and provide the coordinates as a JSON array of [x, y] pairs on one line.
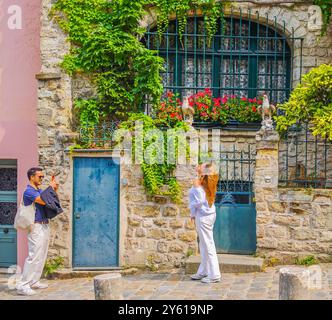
[[38, 236]]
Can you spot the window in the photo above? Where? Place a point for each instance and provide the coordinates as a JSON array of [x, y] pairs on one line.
[[245, 59]]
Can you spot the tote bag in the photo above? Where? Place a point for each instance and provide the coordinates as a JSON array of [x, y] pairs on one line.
[[25, 216]]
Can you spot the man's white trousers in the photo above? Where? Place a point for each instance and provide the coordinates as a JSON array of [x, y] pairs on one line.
[[38, 240]]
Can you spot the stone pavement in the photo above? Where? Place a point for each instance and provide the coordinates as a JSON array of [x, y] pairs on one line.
[[178, 286]]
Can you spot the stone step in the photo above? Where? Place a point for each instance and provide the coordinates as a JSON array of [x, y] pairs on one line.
[[70, 273], [228, 263]]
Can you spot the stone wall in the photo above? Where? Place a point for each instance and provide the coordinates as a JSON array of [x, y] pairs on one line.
[[155, 226], [54, 120], [291, 223]]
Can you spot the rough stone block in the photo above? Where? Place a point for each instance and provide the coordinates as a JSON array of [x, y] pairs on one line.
[[108, 287], [293, 283], [175, 224], [188, 236], [303, 234], [170, 211]]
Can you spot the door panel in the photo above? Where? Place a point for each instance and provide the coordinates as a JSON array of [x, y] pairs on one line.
[[96, 212], [8, 208], [235, 229]]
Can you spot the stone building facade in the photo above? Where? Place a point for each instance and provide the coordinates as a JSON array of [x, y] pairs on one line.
[[154, 230]]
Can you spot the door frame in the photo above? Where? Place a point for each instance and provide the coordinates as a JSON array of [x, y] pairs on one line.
[[96, 154]]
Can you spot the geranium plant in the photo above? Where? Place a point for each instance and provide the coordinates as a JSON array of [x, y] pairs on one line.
[[169, 110], [210, 109], [243, 109]]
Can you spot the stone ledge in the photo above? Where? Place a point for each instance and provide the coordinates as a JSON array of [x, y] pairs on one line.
[[228, 263], [48, 76], [71, 274]]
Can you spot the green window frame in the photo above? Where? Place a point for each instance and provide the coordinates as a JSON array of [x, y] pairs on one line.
[[244, 58]]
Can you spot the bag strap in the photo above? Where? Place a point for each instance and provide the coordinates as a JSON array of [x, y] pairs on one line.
[[22, 202]]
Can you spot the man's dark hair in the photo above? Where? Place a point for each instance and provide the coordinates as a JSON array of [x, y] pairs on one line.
[[32, 171]]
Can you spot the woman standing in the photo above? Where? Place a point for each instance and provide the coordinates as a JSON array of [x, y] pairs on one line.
[[202, 209]]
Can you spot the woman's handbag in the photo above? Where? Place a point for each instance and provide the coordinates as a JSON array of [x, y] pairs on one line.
[[25, 216]]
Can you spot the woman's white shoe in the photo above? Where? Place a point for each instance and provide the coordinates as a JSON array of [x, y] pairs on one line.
[[208, 280], [197, 276]]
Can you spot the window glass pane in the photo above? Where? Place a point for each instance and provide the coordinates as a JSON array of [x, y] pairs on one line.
[[8, 179], [234, 77], [168, 74], [7, 212], [272, 79]]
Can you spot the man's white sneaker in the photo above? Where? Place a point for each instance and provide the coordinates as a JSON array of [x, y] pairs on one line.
[[26, 291], [197, 276], [208, 280], [39, 285]]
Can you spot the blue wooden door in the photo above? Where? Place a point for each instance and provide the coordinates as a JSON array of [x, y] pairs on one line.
[[96, 212], [235, 226], [8, 208]]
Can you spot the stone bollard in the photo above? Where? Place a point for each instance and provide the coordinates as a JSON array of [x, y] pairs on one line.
[[108, 287], [294, 283]]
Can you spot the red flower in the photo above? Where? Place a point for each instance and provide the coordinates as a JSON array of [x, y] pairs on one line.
[[244, 99], [179, 102], [172, 115], [169, 94], [191, 102], [254, 100], [224, 100], [254, 109], [205, 106], [250, 100], [260, 101], [217, 102], [208, 91]]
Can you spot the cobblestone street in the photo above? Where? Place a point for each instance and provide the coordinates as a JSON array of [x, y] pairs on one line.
[[176, 285]]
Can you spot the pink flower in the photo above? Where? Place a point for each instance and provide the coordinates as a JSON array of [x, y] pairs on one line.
[[250, 100], [260, 101], [216, 102], [244, 99], [224, 100]]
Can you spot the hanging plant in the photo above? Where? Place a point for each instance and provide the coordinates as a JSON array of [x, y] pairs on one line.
[[156, 175], [211, 9]]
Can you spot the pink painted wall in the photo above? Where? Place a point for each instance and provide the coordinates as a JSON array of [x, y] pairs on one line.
[[19, 62]]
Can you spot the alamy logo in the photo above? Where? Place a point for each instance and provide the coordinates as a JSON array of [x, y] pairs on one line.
[[14, 21], [315, 277]]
